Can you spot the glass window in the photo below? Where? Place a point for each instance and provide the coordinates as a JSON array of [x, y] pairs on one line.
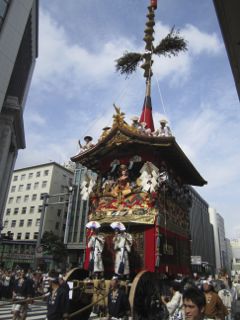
[[31, 209], [10, 200], [13, 189], [15, 178], [21, 223], [23, 176], [24, 210], [46, 172], [59, 212], [18, 200], [44, 184], [20, 188], [8, 211], [28, 186], [26, 198], [35, 235], [37, 223], [38, 174], [5, 224], [40, 208], [13, 224], [57, 225], [29, 223], [36, 185], [34, 197], [30, 175], [19, 235], [27, 235], [16, 210]]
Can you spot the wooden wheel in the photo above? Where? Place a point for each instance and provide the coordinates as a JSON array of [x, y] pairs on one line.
[[145, 297]]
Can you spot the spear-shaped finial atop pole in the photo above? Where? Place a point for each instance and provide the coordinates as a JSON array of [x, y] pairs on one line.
[[169, 46]]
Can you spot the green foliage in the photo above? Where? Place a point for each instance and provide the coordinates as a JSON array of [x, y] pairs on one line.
[[53, 245], [128, 62]]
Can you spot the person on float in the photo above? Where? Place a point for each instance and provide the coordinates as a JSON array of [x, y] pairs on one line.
[[88, 143], [122, 243], [96, 245]]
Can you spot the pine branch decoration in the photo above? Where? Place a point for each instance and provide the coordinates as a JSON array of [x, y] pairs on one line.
[[128, 63], [172, 44]]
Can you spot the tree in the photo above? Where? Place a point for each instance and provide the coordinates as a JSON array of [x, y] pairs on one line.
[[54, 246]]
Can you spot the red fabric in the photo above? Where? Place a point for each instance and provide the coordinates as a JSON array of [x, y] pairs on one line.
[[153, 3], [146, 115], [149, 249]]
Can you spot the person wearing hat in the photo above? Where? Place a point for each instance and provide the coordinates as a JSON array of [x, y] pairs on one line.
[[122, 243], [118, 303], [135, 123], [215, 308], [58, 299], [163, 131], [88, 143], [96, 245]]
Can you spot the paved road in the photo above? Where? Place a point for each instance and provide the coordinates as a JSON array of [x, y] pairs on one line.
[[37, 311]]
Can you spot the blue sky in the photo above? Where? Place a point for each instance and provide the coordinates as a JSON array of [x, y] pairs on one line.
[[75, 85]]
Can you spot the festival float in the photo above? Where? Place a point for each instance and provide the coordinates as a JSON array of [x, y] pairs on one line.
[[142, 178]]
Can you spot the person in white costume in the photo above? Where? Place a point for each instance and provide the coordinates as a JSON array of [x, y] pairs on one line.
[[96, 245], [122, 242]]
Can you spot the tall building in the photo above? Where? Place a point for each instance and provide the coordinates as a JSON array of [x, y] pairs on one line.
[[23, 214], [219, 239], [18, 53], [203, 252], [235, 248]]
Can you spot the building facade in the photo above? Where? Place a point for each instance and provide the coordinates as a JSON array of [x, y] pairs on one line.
[[235, 248], [203, 251], [219, 240], [23, 214], [18, 53]]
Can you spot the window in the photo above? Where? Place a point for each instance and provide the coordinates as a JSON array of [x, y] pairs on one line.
[[35, 235], [24, 210], [19, 235], [34, 197], [31, 209], [59, 212], [21, 223], [38, 174], [46, 172], [23, 177], [42, 195], [30, 175], [5, 224], [37, 223], [10, 200], [40, 208], [20, 188], [8, 211], [13, 189], [44, 184], [18, 200], [26, 198], [36, 185], [28, 186], [13, 224], [57, 225], [29, 223], [16, 210], [15, 178], [27, 235]]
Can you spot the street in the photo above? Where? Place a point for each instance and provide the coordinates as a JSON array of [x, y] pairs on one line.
[[37, 311]]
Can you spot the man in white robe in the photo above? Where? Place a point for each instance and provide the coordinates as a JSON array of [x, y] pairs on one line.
[[96, 245]]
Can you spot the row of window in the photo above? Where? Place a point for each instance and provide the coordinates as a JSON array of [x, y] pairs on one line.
[[27, 236], [30, 175], [21, 223], [26, 198], [24, 210], [28, 186]]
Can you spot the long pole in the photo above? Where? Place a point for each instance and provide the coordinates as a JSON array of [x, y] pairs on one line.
[[68, 216]]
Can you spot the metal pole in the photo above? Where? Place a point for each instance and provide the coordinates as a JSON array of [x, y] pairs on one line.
[[71, 193]]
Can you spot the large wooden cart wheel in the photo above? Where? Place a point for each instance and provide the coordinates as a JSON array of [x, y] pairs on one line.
[[145, 297]]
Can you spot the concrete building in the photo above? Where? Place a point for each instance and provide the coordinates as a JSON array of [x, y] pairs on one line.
[[23, 213], [228, 17], [203, 251], [219, 240], [18, 53], [235, 248]]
